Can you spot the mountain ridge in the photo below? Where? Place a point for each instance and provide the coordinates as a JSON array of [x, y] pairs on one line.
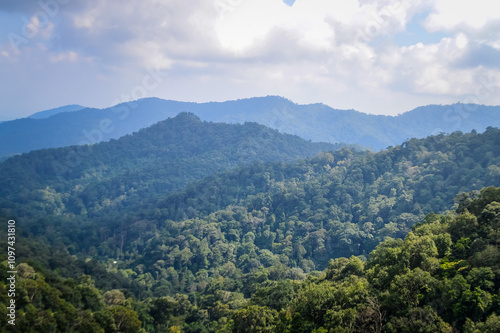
[[316, 122], [51, 112], [165, 156]]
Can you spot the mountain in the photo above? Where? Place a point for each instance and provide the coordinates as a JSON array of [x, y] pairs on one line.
[[344, 203], [83, 127], [338, 203], [51, 112], [316, 122], [260, 245], [443, 277], [110, 233], [158, 159]]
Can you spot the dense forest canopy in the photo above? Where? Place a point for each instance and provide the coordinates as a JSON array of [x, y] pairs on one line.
[[342, 240], [443, 277], [159, 159]]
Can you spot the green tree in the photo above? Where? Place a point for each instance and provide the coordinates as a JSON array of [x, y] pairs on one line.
[[254, 318]]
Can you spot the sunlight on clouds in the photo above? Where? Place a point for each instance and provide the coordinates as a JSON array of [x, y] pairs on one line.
[[311, 21], [241, 26], [250, 22], [431, 69], [461, 41], [348, 31], [317, 10]]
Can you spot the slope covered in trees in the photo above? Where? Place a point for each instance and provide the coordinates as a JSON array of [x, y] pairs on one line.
[[252, 247], [443, 277], [339, 203], [302, 214], [158, 159]]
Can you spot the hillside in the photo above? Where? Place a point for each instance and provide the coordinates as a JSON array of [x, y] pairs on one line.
[[302, 214], [316, 122], [158, 159], [443, 277], [119, 239]]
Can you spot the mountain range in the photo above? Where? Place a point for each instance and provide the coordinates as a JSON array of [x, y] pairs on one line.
[[197, 226], [316, 122]]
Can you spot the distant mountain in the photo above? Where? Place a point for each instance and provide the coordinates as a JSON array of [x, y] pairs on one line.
[[316, 122], [319, 122], [84, 126], [158, 159], [51, 112]]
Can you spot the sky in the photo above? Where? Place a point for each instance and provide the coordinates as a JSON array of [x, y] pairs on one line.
[[374, 56]]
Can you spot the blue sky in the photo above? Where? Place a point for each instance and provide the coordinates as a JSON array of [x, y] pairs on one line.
[[375, 56], [415, 32]]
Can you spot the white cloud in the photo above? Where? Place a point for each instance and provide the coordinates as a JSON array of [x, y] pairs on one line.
[[330, 51], [453, 14], [65, 56], [248, 22]]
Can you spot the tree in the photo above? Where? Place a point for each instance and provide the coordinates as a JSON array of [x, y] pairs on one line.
[[126, 319], [419, 320], [114, 297], [254, 318]]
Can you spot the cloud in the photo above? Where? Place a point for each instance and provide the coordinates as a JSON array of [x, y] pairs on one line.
[[480, 54], [452, 14], [142, 33], [327, 51]]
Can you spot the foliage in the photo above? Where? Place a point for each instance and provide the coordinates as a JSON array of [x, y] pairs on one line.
[[274, 246]]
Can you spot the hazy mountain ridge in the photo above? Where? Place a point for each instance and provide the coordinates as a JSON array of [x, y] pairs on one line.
[[316, 122], [52, 112]]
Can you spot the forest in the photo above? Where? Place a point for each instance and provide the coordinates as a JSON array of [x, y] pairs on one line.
[[225, 234]]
